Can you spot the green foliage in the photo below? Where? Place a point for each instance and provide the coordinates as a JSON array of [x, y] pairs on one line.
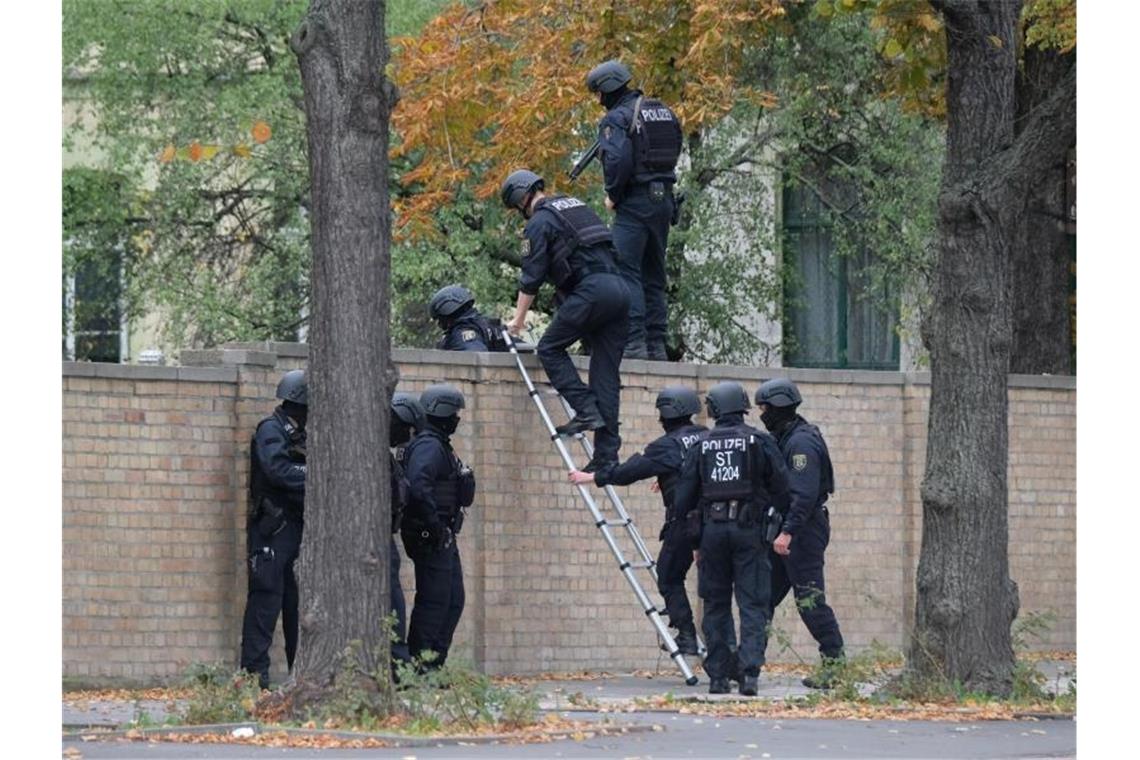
[[456, 696], [222, 243], [874, 166], [219, 695]]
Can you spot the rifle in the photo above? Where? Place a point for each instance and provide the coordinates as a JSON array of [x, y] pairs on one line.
[[590, 154]]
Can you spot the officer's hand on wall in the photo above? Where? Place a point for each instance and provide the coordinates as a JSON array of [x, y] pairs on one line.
[[782, 544], [655, 487], [609, 203]]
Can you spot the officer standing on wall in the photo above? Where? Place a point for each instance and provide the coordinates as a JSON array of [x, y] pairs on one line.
[[566, 243], [732, 482], [407, 416], [440, 488], [797, 552], [273, 530], [464, 328], [662, 459], [640, 141]]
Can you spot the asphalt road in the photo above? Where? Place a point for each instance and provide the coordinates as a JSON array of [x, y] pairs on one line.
[[685, 736]]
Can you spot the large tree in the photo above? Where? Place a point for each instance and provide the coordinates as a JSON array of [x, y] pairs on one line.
[[966, 600], [342, 52]]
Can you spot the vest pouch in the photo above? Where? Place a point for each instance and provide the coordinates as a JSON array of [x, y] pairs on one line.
[[270, 518], [465, 487]]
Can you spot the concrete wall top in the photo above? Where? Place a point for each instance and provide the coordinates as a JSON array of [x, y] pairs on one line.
[[198, 364]]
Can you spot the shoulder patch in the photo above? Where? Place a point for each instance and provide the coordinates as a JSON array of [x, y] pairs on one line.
[[799, 461], [525, 248], [467, 335], [607, 131]]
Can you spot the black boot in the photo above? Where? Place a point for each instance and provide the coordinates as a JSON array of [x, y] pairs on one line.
[[687, 641], [719, 686], [635, 350], [656, 352], [580, 423], [828, 672], [748, 686]]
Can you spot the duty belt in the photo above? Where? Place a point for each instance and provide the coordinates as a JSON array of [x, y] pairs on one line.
[[721, 511]]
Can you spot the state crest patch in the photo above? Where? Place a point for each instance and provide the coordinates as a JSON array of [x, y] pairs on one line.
[[799, 461], [467, 335], [525, 247]]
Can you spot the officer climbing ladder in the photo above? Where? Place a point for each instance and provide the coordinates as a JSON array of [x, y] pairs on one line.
[[624, 521]]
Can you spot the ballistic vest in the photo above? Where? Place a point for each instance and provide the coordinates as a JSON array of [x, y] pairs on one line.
[[657, 141], [727, 454], [586, 229], [684, 437]]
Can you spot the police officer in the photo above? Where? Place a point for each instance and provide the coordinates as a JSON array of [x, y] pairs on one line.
[[566, 243], [464, 328], [640, 141], [797, 552], [732, 481], [274, 526], [406, 417], [440, 488], [662, 459]]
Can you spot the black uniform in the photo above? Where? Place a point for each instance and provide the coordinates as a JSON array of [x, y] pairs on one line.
[[472, 331], [439, 488], [662, 459], [396, 591], [639, 151], [567, 244], [730, 478], [273, 539], [810, 480]]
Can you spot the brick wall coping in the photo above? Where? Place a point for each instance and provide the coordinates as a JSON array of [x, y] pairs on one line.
[[142, 372], [219, 365]]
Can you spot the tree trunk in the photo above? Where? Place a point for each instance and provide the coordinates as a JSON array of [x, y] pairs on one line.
[[1042, 328], [966, 600], [341, 48]]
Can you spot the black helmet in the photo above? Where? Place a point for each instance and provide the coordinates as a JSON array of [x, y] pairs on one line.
[[406, 407], [518, 185], [293, 387], [677, 402], [450, 300], [442, 400], [779, 392], [726, 398], [607, 77]]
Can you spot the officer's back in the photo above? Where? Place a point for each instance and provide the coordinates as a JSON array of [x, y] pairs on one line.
[[731, 480]]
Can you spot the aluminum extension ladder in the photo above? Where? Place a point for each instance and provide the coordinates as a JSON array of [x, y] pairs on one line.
[[624, 520]]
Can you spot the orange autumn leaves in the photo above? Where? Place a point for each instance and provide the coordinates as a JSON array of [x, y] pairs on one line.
[[488, 89], [260, 133]]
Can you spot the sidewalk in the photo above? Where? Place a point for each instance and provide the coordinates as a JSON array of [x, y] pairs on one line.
[[656, 709]]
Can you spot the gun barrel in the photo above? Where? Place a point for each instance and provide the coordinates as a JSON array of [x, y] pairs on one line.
[[590, 154]]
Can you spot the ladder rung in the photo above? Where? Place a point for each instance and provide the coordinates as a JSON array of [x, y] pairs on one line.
[[613, 523], [642, 564]]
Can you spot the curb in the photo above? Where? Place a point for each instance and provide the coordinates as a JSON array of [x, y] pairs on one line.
[[396, 740]]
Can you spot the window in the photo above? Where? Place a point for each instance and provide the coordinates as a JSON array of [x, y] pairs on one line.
[[833, 318], [93, 325]]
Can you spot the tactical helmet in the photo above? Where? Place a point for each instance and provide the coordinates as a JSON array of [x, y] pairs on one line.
[[442, 400], [450, 300], [518, 185], [726, 398], [779, 392], [607, 77], [677, 402], [293, 387], [406, 407]]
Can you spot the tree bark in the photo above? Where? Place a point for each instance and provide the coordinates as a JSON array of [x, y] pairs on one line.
[[966, 600], [1042, 327], [342, 52]]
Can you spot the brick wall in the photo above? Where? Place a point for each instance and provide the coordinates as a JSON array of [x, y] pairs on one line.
[[155, 465]]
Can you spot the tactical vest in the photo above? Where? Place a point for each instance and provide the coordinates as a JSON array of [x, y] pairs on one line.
[[259, 486], [656, 134], [455, 490], [400, 491], [586, 229], [827, 475], [684, 437], [727, 454]]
